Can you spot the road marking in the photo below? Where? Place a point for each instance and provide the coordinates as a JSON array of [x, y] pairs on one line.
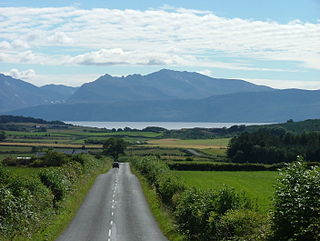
[[111, 222], [112, 213], [109, 239], [109, 232]]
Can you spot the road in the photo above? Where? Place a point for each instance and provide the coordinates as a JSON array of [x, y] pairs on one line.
[[114, 210], [194, 152]]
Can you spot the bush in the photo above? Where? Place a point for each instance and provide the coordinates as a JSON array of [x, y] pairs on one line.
[[23, 203], [56, 182], [168, 186], [52, 158], [199, 213], [245, 225], [297, 203]]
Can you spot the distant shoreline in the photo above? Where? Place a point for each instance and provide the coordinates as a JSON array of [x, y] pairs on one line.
[[166, 125]]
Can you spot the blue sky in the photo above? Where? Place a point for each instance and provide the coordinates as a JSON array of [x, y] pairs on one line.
[[275, 43]]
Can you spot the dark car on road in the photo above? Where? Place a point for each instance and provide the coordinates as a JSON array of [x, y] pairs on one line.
[[115, 164]]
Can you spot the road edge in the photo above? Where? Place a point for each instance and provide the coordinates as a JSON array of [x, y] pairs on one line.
[[161, 214]]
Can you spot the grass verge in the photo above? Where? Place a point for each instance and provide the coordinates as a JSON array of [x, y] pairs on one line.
[[160, 212]]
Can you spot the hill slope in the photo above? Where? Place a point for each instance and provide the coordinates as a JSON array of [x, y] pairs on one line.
[[162, 85], [15, 93], [269, 106]]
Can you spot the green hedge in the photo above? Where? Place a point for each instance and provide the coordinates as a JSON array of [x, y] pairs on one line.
[[28, 204], [207, 166]]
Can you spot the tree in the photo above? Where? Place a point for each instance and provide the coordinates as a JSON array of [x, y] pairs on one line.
[[114, 147], [297, 203], [2, 135]]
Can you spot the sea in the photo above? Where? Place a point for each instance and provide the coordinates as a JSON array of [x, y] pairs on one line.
[[167, 125]]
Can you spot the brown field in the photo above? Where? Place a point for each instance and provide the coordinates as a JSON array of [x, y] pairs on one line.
[[220, 143]]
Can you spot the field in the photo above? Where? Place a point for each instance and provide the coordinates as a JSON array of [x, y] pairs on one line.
[[258, 185], [219, 143]]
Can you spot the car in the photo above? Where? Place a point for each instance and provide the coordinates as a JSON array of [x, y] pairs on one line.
[[115, 164]]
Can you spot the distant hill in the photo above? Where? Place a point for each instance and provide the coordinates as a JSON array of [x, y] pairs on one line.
[[59, 90], [162, 85], [15, 93], [165, 95], [22, 119], [269, 106], [309, 125]]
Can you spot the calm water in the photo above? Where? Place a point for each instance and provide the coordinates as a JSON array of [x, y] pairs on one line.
[[167, 125]]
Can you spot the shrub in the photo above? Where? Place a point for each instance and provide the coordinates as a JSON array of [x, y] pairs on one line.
[[52, 158], [23, 203], [297, 203], [192, 213], [199, 212], [56, 182], [245, 225], [167, 186]]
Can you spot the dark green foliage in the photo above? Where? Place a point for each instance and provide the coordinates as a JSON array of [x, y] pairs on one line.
[[23, 203], [52, 158], [2, 135], [154, 129], [114, 147], [23, 119], [297, 204], [292, 126], [203, 133], [274, 145], [207, 166]]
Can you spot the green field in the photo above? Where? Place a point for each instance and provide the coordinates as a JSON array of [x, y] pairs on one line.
[[258, 185]]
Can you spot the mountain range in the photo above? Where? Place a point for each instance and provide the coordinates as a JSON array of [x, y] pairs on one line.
[[165, 95]]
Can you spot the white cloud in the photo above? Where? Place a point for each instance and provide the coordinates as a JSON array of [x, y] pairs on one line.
[[28, 74], [5, 45], [60, 38], [205, 72], [285, 84], [20, 44], [155, 36]]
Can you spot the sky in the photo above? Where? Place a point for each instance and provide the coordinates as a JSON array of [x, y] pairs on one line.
[[274, 42]]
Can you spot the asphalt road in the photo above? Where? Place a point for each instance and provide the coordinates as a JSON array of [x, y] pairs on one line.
[[114, 210]]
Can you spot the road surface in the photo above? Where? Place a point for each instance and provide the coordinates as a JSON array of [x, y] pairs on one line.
[[194, 152], [114, 210]]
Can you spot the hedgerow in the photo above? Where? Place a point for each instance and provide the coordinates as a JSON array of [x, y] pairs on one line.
[[28, 204]]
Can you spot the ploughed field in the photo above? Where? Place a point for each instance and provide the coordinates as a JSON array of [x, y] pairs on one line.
[[257, 185]]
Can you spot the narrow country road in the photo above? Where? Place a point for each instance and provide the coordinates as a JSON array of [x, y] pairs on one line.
[[114, 210]]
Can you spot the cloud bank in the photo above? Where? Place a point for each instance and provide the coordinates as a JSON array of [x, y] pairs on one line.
[[166, 36]]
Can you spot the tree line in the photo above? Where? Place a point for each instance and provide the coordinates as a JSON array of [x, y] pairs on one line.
[[274, 145]]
